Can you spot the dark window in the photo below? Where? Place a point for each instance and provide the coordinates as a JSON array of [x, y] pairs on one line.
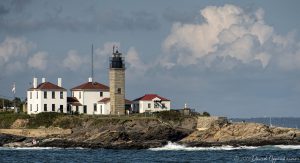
[[37, 107], [30, 95], [119, 90], [53, 107], [30, 107], [45, 94], [149, 105], [101, 94], [37, 95], [77, 109], [69, 108], [95, 107], [45, 107], [155, 105], [61, 108], [61, 95], [79, 94], [84, 109], [53, 95]]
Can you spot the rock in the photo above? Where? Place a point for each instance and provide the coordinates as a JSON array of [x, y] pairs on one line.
[[20, 123], [248, 134], [6, 138]]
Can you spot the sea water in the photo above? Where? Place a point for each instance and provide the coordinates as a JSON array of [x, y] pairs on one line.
[[172, 152]]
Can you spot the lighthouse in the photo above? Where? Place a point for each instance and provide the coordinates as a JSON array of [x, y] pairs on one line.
[[117, 83]]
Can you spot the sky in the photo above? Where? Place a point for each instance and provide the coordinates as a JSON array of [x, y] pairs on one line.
[[229, 58]]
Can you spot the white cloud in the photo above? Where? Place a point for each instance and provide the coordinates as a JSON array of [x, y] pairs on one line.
[[229, 33], [73, 60], [38, 61], [135, 63], [14, 47]]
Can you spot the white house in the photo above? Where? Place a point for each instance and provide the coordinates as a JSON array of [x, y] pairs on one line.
[[46, 97], [103, 106], [86, 97], [151, 103]]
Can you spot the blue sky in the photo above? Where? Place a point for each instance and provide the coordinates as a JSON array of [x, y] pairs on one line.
[[230, 58]]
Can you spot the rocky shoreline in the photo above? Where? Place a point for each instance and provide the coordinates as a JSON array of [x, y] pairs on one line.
[[151, 133]]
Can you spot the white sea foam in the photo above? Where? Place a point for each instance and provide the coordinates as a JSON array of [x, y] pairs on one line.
[[27, 148], [287, 146], [176, 147]]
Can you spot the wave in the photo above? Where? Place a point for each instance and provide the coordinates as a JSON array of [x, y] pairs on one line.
[[39, 148], [176, 147], [287, 146]]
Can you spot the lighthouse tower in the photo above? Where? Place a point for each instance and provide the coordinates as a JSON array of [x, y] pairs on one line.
[[117, 83]]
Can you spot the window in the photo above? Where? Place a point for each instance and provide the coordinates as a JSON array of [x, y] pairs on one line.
[[149, 105], [37, 107], [45, 107], [61, 95], [101, 94], [45, 94], [30, 95], [164, 106], [30, 107], [119, 90], [100, 109], [84, 109], [61, 108], [95, 107], [72, 94], [155, 105], [53, 95], [77, 109], [53, 107], [79, 94], [37, 94]]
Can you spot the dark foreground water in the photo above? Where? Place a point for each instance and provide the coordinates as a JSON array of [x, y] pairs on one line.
[[170, 153]]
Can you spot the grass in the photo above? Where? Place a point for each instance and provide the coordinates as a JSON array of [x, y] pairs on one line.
[[61, 120]]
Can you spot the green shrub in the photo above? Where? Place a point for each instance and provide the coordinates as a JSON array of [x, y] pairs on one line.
[[206, 114], [171, 115], [67, 122], [45, 119], [8, 118]]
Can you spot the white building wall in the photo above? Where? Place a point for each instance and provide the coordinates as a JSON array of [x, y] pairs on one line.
[[35, 104], [144, 106], [89, 98], [103, 108]]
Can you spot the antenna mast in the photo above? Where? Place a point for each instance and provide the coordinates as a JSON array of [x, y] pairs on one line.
[[92, 75]]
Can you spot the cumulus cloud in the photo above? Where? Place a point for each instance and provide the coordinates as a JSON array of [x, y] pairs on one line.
[[228, 34], [14, 47], [38, 61], [136, 65], [13, 50], [73, 60]]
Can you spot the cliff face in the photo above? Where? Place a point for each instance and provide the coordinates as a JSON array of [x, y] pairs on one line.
[[128, 133]]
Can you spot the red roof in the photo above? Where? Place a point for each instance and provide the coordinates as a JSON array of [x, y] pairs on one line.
[[105, 100], [149, 97], [73, 101], [48, 86], [91, 86]]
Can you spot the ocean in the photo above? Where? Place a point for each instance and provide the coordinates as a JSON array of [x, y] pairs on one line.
[[170, 153]]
